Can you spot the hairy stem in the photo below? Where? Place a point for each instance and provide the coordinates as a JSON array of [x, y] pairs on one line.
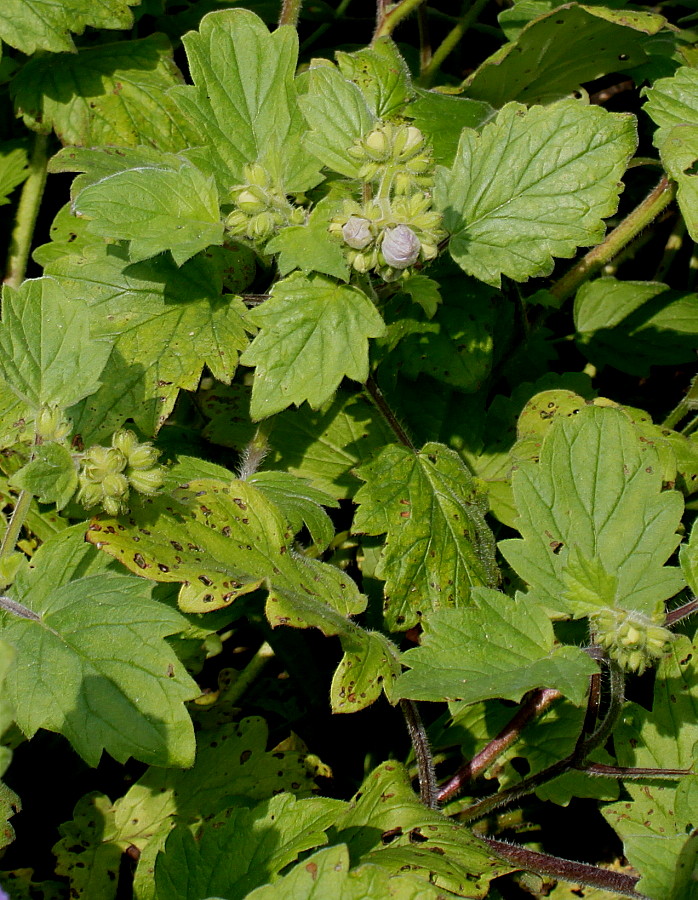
[[537, 702], [683, 407], [290, 10], [632, 772], [450, 42], [27, 211], [248, 675], [566, 869], [19, 514], [425, 50], [422, 751], [681, 612], [657, 200], [583, 748], [381, 404], [388, 18]]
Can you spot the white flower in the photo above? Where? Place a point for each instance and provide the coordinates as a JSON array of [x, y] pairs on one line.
[[400, 247], [356, 232]]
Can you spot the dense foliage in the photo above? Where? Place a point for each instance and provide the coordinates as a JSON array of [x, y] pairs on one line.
[[349, 450]]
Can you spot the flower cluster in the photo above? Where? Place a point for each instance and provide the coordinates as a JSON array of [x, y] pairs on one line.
[[389, 236], [108, 473], [261, 207], [630, 637], [396, 228]]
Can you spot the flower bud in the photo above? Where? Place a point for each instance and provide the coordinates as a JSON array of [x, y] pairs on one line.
[[115, 486], [409, 142], [125, 442], [261, 227], [377, 144], [114, 506], [357, 233], [256, 174], [90, 494], [249, 201], [400, 247], [147, 481]]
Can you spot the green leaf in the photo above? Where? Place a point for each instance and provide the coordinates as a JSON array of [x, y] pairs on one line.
[[300, 503], [31, 25], [654, 824], [314, 332], [633, 325], [243, 104], [679, 152], [443, 117], [423, 291], [597, 490], [51, 476], [93, 650], [266, 839], [85, 855], [533, 185], [337, 114], [688, 557], [310, 247], [370, 665], [561, 50], [47, 356], [232, 540], [496, 648], [322, 446], [455, 345], [166, 324], [326, 874], [108, 94], [13, 168], [156, 210], [381, 74], [438, 545], [386, 825], [673, 101]]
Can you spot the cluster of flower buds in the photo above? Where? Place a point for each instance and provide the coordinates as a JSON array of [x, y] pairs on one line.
[[389, 236], [631, 638], [399, 152], [108, 473], [261, 208]]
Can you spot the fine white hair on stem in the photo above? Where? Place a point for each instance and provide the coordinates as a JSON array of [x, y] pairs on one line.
[[251, 459]]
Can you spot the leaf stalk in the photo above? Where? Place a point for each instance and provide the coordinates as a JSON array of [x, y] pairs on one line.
[[27, 211]]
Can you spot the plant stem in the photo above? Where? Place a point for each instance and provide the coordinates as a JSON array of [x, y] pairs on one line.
[[290, 10], [683, 407], [657, 200], [450, 42], [27, 212], [566, 869], [582, 749], [422, 751], [424, 39], [681, 612], [247, 675], [379, 401], [19, 514], [537, 702], [388, 18], [632, 772], [325, 26]]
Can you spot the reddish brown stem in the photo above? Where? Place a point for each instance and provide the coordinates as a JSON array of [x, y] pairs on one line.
[[630, 772], [538, 701], [681, 613], [566, 869]]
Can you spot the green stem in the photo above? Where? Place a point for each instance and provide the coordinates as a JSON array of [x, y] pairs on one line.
[[390, 17], [450, 42], [247, 675], [19, 514], [683, 407], [27, 212], [656, 201], [290, 10], [321, 29]]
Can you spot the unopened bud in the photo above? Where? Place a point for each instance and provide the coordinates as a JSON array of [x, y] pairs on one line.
[[115, 486], [357, 232], [400, 247], [408, 142], [249, 201], [147, 481], [261, 227]]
